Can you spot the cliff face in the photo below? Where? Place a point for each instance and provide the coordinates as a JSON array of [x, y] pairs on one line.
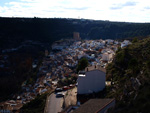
[[130, 72]]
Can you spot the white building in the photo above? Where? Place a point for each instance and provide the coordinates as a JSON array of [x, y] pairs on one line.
[[91, 80], [109, 41], [116, 42], [107, 56], [125, 43], [57, 47]]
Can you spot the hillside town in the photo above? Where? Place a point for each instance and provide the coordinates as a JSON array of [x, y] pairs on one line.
[[61, 63]]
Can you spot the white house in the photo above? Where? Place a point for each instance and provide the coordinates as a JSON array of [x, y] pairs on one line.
[[109, 41], [91, 80], [125, 43], [103, 42], [107, 56], [57, 47], [116, 42]]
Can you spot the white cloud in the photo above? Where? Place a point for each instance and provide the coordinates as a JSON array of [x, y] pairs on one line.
[[116, 10]]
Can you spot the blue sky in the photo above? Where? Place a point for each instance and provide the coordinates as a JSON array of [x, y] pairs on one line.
[[113, 10]]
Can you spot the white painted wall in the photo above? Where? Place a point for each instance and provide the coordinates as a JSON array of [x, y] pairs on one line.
[[93, 81], [107, 56], [125, 43], [109, 41]]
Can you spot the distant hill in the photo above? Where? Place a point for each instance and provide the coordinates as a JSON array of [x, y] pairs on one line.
[[15, 30], [130, 72]]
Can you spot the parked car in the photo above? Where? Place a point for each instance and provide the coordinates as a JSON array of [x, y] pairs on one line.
[[58, 90], [60, 94], [71, 85], [65, 88]]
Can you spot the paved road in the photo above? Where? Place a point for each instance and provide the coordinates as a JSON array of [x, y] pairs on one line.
[[54, 104]]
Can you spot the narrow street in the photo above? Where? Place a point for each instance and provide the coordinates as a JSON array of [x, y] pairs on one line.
[[54, 104]]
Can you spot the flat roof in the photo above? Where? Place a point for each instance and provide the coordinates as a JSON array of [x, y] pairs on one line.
[[95, 67], [81, 75]]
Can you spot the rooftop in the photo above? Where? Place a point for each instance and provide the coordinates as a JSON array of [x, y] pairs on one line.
[[95, 67], [81, 75], [93, 106]]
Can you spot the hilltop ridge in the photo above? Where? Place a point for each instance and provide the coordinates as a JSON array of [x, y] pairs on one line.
[[13, 31]]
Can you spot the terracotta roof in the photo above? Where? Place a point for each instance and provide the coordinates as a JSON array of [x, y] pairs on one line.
[[93, 106], [17, 107]]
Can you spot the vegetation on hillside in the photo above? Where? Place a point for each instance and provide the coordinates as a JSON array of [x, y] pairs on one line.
[[130, 73], [37, 105], [13, 31], [130, 63], [18, 69]]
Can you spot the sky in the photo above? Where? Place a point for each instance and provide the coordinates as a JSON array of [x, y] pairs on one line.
[[112, 10]]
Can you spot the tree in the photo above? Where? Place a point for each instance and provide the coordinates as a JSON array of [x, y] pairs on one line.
[[135, 40], [133, 65], [83, 63]]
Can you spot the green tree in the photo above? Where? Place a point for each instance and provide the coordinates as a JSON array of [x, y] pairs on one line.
[[120, 56], [135, 40], [83, 63], [133, 65], [148, 64]]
